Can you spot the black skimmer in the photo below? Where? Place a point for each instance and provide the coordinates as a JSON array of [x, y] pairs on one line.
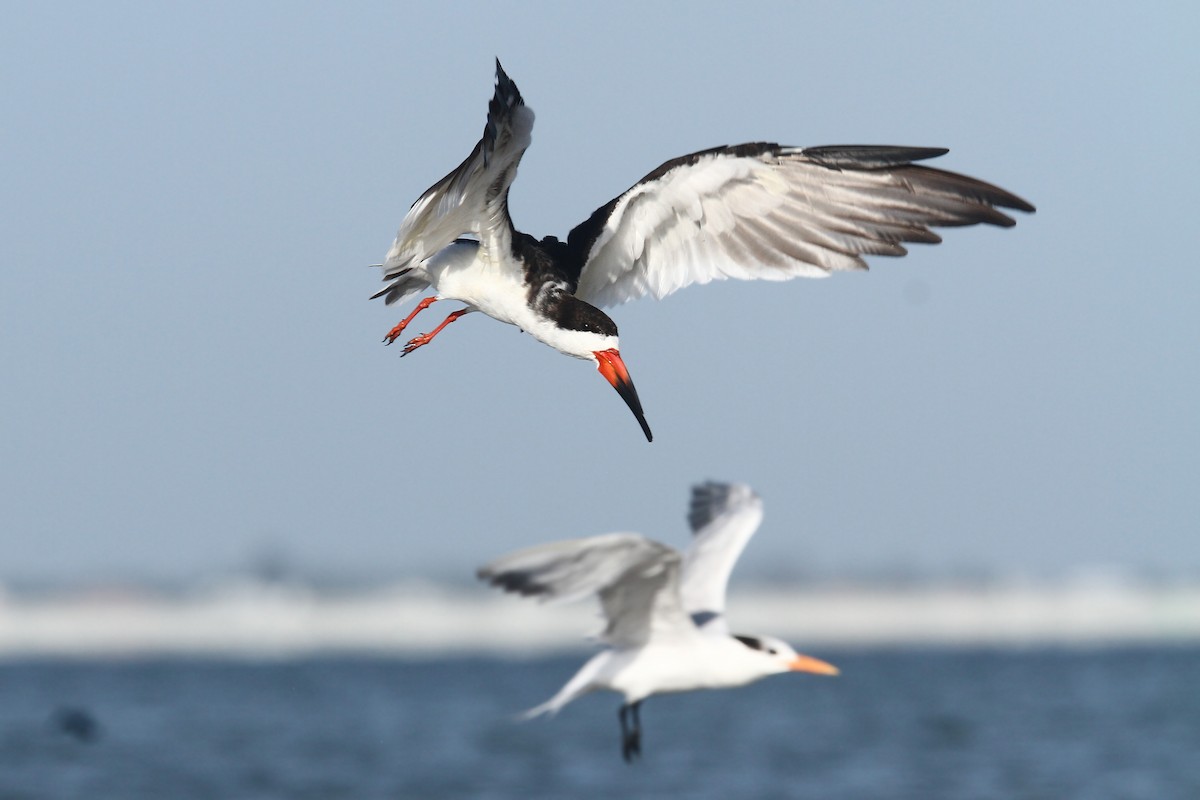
[[748, 211], [665, 611]]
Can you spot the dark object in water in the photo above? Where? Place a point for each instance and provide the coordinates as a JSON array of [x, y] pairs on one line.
[[76, 723]]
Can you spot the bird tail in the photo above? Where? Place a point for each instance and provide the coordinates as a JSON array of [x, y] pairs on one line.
[[548, 707], [402, 285], [579, 685]]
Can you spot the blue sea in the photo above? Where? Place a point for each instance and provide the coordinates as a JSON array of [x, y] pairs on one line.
[[900, 724]]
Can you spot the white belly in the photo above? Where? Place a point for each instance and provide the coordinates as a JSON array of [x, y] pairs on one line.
[[661, 669], [498, 294], [462, 272]]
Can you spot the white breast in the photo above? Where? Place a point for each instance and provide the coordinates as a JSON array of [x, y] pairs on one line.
[[702, 663], [463, 272]]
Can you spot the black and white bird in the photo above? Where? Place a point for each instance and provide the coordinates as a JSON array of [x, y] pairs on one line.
[[665, 611], [748, 211]]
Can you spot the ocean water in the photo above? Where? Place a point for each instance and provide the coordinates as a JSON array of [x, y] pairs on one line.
[[899, 724]]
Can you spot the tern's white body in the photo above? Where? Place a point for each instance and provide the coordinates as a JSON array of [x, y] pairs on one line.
[[702, 662]]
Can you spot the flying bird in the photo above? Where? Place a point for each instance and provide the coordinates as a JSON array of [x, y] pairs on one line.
[[750, 211], [664, 610]]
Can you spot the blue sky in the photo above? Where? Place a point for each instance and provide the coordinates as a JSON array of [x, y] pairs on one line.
[[193, 373]]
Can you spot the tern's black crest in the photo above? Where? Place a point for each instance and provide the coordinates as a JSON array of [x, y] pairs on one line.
[[753, 642]]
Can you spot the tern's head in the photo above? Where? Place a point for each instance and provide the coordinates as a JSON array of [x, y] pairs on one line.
[[780, 656]]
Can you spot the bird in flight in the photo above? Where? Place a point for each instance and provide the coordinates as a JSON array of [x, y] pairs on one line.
[[664, 610], [749, 211]]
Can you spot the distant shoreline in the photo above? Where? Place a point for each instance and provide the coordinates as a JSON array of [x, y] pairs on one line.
[[264, 619]]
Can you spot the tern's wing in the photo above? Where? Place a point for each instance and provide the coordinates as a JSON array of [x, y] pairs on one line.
[[767, 211], [473, 199], [723, 517], [636, 579]]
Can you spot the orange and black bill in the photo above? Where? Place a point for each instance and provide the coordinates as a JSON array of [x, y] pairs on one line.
[[613, 370]]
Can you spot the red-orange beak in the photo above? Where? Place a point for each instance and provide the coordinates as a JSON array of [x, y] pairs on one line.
[[809, 664], [613, 369]]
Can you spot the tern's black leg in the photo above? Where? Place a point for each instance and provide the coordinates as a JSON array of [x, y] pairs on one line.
[[631, 736]]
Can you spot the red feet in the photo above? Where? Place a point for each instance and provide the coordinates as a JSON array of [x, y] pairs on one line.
[[415, 342], [426, 338], [395, 332]]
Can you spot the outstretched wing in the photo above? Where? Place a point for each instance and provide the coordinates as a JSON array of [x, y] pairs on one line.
[[636, 579], [767, 211], [723, 517], [473, 199]]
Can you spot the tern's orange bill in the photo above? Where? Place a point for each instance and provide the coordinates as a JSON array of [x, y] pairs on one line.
[[613, 369], [809, 664]]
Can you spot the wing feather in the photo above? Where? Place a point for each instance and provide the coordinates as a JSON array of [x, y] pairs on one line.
[[472, 199], [635, 578], [723, 517], [766, 211]]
